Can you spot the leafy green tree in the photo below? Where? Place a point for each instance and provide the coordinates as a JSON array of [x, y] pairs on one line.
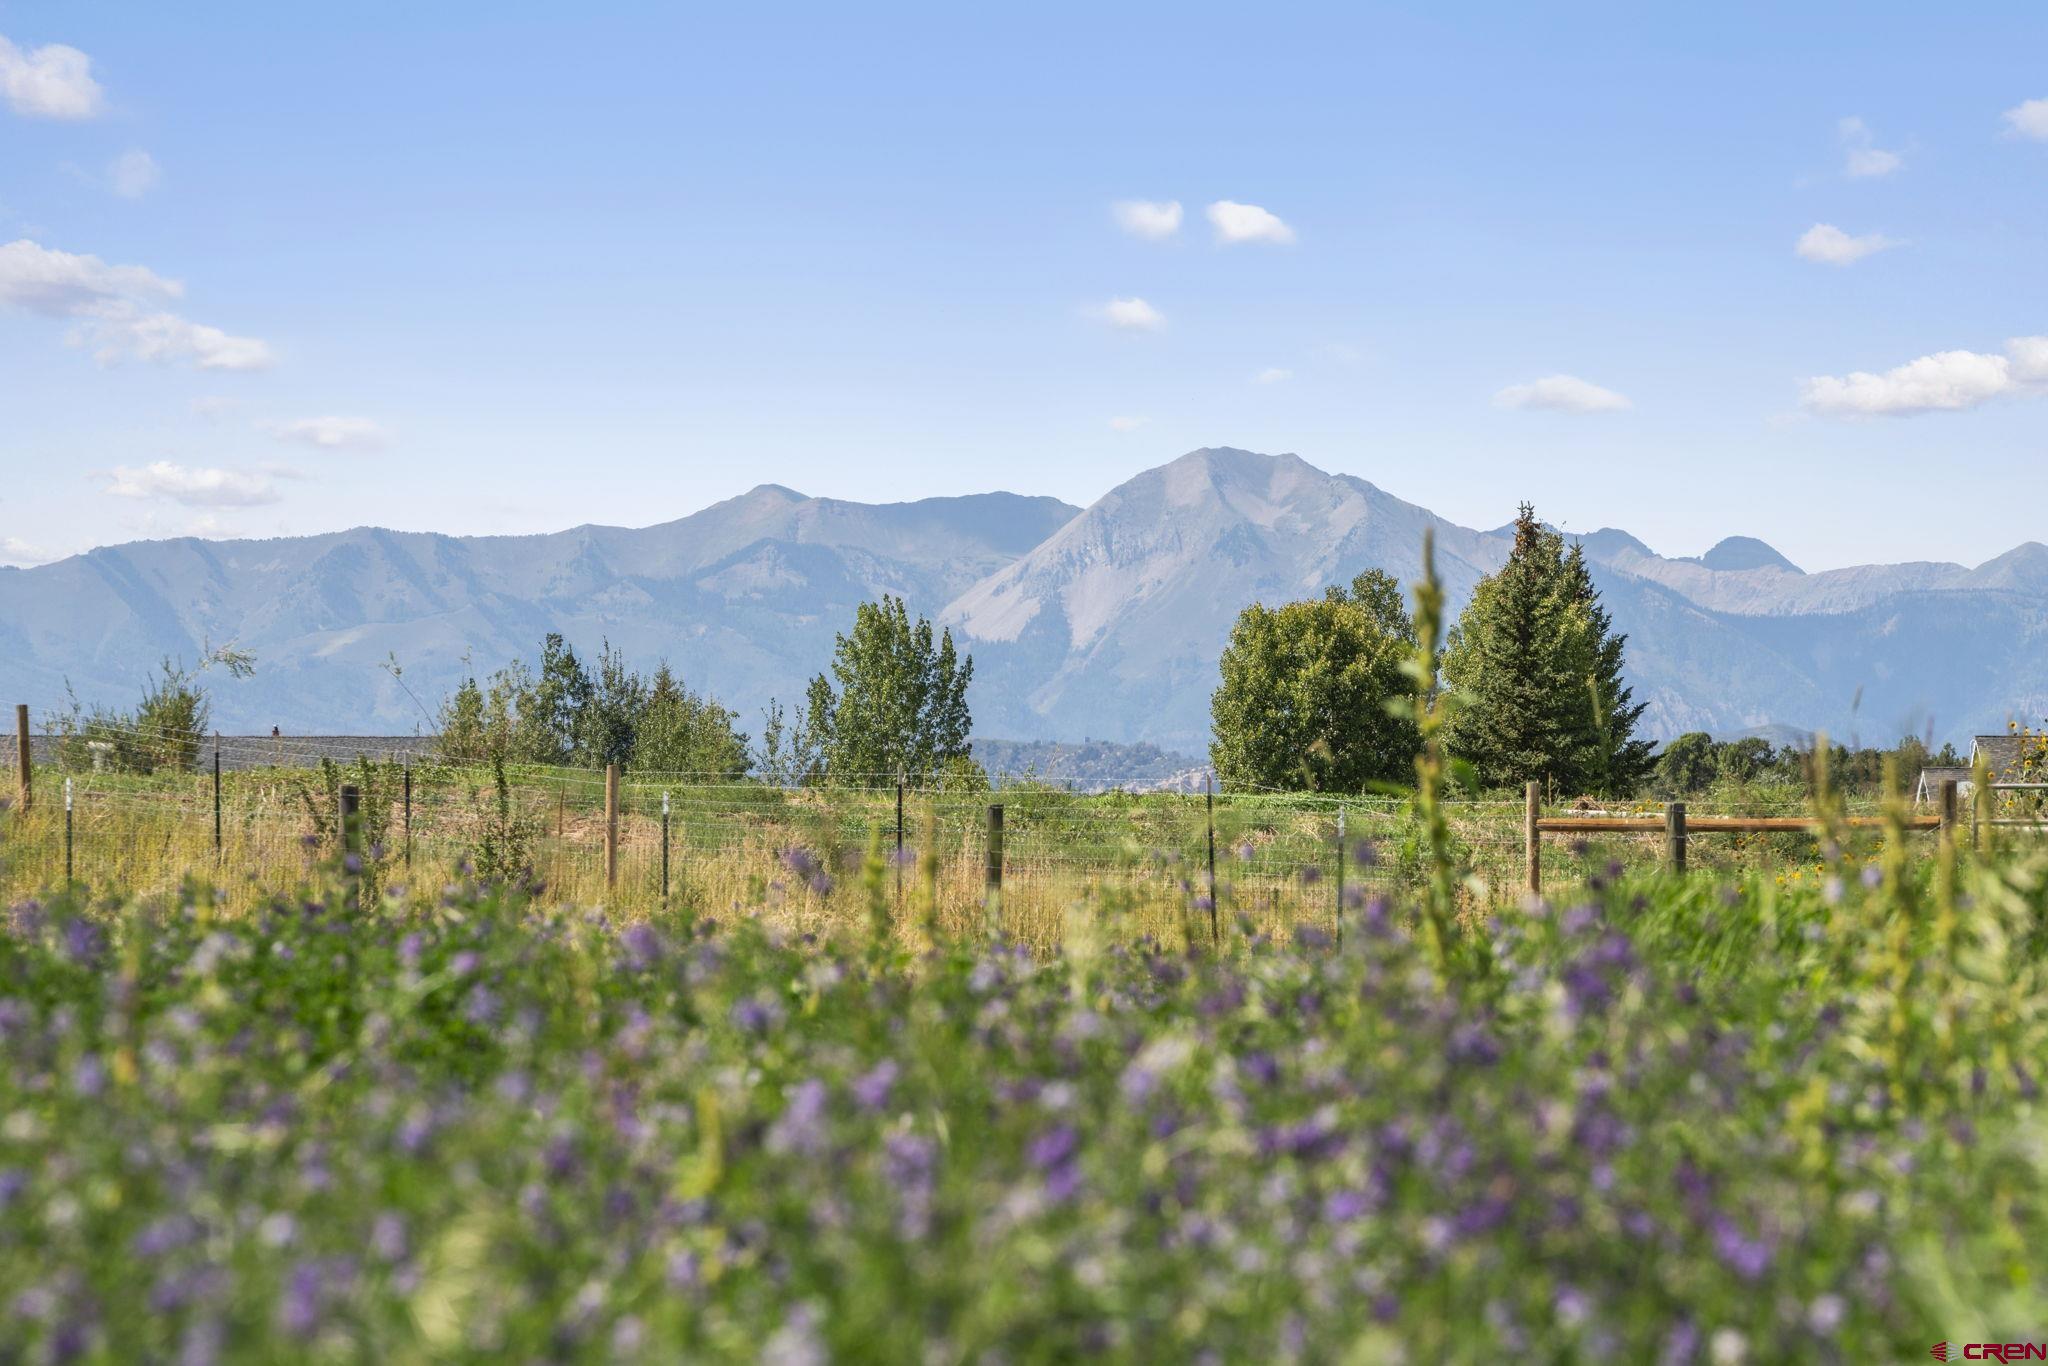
[[681, 732], [1745, 761], [549, 711], [900, 704], [174, 714], [503, 722], [1303, 702], [1539, 668], [564, 714], [464, 733], [1688, 764], [607, 718]]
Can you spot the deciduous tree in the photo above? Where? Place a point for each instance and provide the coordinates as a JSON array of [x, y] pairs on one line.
[[1303, 701]]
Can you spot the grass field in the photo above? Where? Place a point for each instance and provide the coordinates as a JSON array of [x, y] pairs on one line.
[[794, 857], [1733, 1116], [1664, 1117]]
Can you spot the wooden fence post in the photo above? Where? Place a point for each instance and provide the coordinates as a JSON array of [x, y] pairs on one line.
[[25, 756], [899, 841], [611, 825], [1215, 926], [216, 799], [350, 809], [993, 876], [1948, 808], [1532, 843], [1339, 898], [664, 849], [1674, 835]]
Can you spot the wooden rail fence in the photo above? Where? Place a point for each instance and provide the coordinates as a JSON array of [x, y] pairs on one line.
[[1677, 830]]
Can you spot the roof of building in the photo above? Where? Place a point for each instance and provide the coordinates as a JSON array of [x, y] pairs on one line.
[[2003, 755]]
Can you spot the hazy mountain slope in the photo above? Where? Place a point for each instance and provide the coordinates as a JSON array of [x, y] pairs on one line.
[[1103, 623], [738, 596], [1112, 628]]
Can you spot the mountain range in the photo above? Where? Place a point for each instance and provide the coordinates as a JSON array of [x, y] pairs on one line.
[[1102, 622]]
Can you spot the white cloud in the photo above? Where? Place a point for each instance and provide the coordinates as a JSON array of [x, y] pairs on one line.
[[214, 407], [1561, 394], [1828, 244], [332, 433], [50, 82], [2029, 357], [1236, 222], [1272, 374], [2029, 119], [113, 307], [59, 284], [199, 488], [14, 550], [134, 174], [1127, 424], [166, 337], [1945, 382], [1155, 222], [1865, 157], [1135, 314]]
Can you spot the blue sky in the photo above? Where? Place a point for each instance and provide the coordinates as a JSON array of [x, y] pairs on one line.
[[511, 267]]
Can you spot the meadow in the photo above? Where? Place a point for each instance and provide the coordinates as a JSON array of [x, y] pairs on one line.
[[789, 856], [413, 1060], [1735, 1115]]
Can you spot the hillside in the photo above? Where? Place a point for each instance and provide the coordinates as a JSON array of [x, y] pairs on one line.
[[1101, 622]]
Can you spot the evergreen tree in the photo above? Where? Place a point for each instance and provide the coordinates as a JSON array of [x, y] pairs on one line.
[[1541, 672], [1611, 758], [901, 701], [1303, 702]]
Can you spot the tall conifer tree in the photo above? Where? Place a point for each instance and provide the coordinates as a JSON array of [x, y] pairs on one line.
[[1540, 667]]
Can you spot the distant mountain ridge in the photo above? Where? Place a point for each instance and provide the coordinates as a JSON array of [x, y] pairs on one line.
[[1105, 621]]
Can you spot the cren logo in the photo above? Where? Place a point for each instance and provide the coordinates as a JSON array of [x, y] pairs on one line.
[[1994, 1351]]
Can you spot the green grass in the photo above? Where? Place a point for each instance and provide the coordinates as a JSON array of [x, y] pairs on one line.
[[731, 847], [1714, 1118]]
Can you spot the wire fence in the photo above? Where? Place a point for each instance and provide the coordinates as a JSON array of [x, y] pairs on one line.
[[252, 817], [809, 858]]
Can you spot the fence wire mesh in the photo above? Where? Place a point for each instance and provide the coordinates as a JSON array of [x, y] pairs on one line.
[[810, 859]]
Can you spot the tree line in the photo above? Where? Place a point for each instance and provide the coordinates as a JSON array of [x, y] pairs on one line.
[[1311, 695], [1311, 691], [892, 703], [1696, 761]]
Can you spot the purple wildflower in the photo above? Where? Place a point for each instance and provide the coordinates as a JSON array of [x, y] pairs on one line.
[[643, 947], [757, 1014], [387, 1236], [801, 1126], [908, 1161], [871, 1088], [1054, 1147], [89, 1077], [82, 942], [1747, 1257]]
